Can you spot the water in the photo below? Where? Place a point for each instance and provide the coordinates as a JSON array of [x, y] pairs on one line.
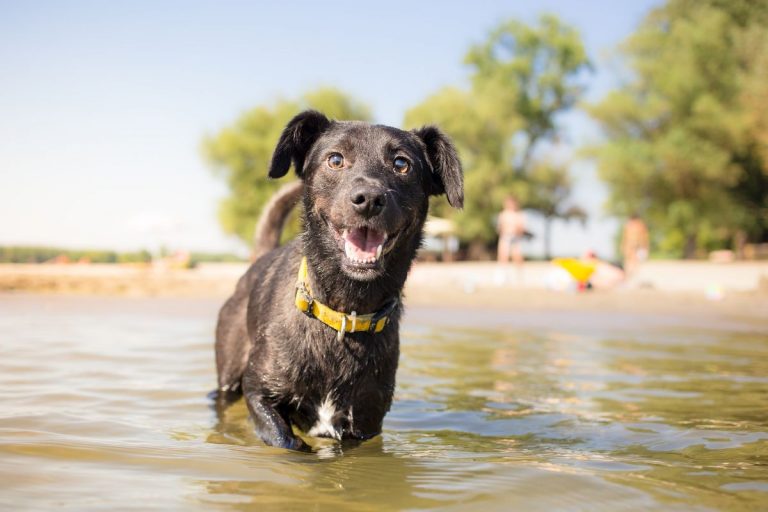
[[102, 406]]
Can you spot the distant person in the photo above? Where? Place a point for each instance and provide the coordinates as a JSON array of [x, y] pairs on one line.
[[511, 228], [634, 244], [605, 275]]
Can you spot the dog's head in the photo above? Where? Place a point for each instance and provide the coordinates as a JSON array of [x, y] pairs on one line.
[[367, 187]]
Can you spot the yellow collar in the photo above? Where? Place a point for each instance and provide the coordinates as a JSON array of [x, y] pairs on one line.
[[341, 322]]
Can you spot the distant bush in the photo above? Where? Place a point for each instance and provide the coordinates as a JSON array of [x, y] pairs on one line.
[[21, 254], [134, 257], [26, 254], [205, 257]]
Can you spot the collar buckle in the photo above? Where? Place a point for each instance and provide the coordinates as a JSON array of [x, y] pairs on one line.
[[342, 329], [304, 300]]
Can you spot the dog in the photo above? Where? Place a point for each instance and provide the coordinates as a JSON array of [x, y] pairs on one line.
[[310, 336]]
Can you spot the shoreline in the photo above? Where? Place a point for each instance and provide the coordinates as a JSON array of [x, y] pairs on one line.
[[682, 289], [743, 308]]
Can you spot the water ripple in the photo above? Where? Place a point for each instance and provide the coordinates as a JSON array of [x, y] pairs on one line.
[[103, 406]]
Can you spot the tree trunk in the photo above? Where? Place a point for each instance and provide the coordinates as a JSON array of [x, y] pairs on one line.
[[477, 250], [689, 252], [547, 235]]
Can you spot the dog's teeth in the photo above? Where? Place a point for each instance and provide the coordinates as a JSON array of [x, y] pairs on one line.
[[378, 251], [348, 249]]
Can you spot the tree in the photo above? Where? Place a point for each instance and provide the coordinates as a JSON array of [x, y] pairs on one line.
[[551, 194], [686, 136], [522, 79], [535, 72], [240, 154], [484, 142]]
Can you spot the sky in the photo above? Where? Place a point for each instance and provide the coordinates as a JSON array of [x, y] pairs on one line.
[[103, 105]]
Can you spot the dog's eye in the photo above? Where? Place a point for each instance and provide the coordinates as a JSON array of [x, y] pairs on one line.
[[335, 161], [401, 165]]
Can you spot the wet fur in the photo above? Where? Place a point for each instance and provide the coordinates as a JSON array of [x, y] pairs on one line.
[[290, 367]]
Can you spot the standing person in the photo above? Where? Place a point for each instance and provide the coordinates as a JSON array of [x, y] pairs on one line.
[[511, 228], [634, 243]]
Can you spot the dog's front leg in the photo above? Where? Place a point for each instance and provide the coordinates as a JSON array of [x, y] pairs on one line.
[[271, 427]]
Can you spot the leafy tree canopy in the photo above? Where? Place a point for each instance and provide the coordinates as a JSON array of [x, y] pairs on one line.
[[522, 78], [240, 154], [687, 133]]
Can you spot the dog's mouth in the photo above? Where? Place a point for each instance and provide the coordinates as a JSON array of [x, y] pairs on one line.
[[363, 246]]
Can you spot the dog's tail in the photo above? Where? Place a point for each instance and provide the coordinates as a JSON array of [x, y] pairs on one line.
[[273, 217]]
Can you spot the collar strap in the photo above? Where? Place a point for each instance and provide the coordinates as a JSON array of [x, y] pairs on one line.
[[340, 322]]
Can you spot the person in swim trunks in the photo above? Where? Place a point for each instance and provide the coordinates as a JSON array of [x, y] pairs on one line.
[[511, 228], [634, 243]]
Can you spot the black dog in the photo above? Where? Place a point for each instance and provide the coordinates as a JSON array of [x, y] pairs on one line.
[[311, 332]]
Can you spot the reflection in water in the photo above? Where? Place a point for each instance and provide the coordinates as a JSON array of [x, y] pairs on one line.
[[104, 407], [326, 479]]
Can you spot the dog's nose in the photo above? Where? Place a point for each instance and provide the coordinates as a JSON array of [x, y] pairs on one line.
[[368, 201]]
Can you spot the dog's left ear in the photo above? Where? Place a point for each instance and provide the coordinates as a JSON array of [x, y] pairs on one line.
[[297, 138], [447, 177]]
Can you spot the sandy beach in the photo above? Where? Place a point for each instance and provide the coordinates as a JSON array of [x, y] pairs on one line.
[[737, 291]]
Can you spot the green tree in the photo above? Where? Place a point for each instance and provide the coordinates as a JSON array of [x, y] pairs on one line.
[[686, 133], [484, 142], [522, 78], [534, 72], [240, 154]]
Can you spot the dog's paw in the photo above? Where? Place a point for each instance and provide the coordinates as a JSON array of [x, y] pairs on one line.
[[297, 444], [226, 396], [221, 400]]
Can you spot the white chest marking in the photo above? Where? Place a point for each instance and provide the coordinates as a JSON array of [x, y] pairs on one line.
[[324, 425]]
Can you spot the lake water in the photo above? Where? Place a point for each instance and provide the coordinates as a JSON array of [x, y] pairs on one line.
[[103, 407]]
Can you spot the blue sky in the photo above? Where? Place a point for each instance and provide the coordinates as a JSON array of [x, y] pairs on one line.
[[103, 104]]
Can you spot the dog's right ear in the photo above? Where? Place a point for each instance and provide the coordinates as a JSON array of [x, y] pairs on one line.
[[447, 176], [297, 137]]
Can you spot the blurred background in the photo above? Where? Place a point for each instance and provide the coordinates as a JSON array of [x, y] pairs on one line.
[[598, 341], [141, 130]]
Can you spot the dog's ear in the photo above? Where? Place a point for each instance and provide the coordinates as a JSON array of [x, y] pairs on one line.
[[297, 137], [447, 177]]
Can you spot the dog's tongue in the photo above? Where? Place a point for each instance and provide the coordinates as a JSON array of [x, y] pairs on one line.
[[363, 244]]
